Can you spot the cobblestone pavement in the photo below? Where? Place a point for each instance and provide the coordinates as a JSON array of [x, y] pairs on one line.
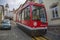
[[13, 34]]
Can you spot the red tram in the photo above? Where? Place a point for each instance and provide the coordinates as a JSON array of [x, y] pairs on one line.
[[32, 18]]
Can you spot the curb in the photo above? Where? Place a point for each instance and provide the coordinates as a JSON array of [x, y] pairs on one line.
[[53, 36]]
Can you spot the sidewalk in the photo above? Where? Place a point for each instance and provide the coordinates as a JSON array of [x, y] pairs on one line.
[[53, 32], [53, 36]]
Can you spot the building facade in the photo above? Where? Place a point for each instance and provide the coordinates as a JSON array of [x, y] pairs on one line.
[[6, 10], [14, 15], [53, 15], [53, 11], [1, 12], [8, 14]]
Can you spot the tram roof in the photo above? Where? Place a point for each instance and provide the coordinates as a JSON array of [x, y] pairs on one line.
[[32, 3]]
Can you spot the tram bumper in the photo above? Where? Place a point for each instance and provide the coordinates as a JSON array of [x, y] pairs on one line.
[[32, 31]]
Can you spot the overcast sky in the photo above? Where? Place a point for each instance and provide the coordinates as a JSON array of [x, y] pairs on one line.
[[12, 3]]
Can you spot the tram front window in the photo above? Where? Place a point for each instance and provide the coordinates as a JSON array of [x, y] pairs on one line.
[[38, 13], [35, 13]]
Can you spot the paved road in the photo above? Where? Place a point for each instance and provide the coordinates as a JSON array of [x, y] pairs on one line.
[[13, 34]]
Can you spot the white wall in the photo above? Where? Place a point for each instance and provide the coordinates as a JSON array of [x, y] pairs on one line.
[[14, 17], [47, 4]]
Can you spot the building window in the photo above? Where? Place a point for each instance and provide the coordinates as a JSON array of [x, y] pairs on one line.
[[55, 12]]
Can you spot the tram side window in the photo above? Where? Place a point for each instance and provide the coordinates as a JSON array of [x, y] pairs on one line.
[[17, 17], [21, 15], [27, 13]]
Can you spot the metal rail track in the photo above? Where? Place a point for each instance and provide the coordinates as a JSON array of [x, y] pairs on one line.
[[39, 38]]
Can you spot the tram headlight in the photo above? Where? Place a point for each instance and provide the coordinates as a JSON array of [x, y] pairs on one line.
[[35, 24]]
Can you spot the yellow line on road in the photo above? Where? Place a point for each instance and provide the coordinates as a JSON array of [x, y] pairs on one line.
[[33, 39], [39, 38]]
